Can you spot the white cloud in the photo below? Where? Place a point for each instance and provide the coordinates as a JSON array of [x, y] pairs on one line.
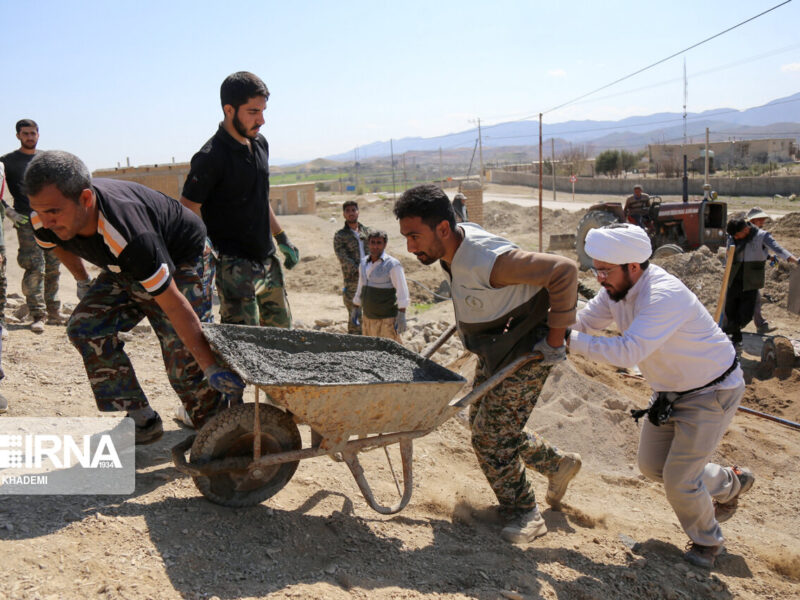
[[557, 73], [791, 67]]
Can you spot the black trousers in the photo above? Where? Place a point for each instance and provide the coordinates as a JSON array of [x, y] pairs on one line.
[[739, 308]]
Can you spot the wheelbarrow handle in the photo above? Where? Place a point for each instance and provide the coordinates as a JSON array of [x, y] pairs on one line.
[[495, 380], [428, 352]]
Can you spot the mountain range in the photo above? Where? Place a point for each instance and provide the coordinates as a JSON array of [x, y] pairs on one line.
[[778, 118]]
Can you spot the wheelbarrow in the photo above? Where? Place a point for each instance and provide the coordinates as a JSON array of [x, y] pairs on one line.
[[341, 386]]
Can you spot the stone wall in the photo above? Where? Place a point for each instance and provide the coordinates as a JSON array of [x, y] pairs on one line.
[[290, 199], [724, 186]]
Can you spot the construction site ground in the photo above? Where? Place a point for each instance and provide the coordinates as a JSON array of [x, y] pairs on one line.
[[615, 537]]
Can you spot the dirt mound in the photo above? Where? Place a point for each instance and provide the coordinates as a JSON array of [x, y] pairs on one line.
[[701, 271]]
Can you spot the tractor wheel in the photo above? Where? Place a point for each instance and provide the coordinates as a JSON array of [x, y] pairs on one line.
[[230, 434], [591, 220], [667, 250], [777, 358]]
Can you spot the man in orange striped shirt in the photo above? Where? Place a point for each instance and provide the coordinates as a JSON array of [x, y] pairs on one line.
[[150, 250]]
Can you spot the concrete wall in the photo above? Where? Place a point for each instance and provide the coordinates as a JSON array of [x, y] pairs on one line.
[[291, 199], [736, 152], [725, 186], [167, 179]]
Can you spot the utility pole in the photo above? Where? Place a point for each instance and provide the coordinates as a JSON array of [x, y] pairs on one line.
[[405, 180], [705, 180], [685, 101], [553, 164], [391, 149], [355, 160], [441, 177], [480, 147], [541, 166]]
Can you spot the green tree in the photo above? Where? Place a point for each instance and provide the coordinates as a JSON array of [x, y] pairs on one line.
[[608, 162]]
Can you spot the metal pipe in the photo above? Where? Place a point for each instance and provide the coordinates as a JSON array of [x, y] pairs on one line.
[[786, 422]]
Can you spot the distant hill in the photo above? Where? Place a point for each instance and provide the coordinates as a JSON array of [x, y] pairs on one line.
[[778, 118]]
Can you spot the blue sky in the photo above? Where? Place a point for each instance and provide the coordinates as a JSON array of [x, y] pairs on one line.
[[110, 80]]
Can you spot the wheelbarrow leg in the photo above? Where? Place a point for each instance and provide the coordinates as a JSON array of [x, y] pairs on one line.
[[406, 451]]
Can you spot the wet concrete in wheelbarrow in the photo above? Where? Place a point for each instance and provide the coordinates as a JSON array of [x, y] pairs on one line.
[[271, 356]]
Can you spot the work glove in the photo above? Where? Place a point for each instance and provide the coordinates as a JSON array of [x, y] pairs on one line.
[[224, 381], [18, 218], [83, 287], [290, 252], [400, 322], [550, 355], [355, 316]]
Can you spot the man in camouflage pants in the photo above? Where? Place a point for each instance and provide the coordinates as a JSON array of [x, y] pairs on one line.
[[151, 251], [507, 303], [228, 187], [349, 245], [41, 270]]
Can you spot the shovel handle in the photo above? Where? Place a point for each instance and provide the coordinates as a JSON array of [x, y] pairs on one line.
[[724, 289]]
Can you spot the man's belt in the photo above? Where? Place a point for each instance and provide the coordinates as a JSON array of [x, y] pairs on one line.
[[660, 410]]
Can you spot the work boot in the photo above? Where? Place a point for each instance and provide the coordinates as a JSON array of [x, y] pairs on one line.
[[150, 431], [54, 317], [524, 526], [568, 467], [725, 510], [702, 556], [765, 328], [3, 404], [38, 325]]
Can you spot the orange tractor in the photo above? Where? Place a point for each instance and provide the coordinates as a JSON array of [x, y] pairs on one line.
[[673, 227]]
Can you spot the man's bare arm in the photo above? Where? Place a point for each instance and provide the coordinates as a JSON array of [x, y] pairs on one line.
[[193, 206], [73, 263], [186, 324]]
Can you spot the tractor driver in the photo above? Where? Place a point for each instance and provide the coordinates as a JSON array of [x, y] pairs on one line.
[[637, 206]]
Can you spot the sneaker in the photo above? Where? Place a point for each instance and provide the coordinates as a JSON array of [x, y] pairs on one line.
[[568, 467], [765, 328], [4, 333], [725, 510], [3, 404], [525, 526], [150, 431], [702, 556], [38, 325], [183, 417]]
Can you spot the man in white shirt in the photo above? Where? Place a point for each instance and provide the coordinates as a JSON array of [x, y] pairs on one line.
[[382, 292], [693, 371]]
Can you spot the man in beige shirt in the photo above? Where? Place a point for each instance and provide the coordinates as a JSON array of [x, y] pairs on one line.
[[507, 303]]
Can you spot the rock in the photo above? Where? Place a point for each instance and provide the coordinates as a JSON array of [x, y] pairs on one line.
[[512, 595]]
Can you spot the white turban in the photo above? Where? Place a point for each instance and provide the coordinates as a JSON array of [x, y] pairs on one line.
[[618, 244]]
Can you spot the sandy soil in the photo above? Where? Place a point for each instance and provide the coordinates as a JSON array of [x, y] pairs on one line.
[[616, 536]]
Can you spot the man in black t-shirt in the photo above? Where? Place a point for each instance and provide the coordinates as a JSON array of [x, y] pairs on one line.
[[228, 187], [151, 251], [40, 279]]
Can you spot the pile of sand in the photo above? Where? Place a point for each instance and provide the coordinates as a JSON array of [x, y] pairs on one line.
[[701, 271]]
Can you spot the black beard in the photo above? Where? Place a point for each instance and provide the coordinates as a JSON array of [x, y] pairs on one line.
[[240, 128]]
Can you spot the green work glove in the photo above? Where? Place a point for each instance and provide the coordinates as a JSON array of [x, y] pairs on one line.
[[18, 218], [290, 252]]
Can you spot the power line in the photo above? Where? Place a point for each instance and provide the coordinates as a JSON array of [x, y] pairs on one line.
[[616, 81]]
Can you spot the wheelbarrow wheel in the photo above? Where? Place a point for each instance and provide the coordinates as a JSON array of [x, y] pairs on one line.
[[777, 358], [230, 434]]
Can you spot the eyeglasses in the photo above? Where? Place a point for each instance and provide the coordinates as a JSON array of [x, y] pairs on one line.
[[603, 273]]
